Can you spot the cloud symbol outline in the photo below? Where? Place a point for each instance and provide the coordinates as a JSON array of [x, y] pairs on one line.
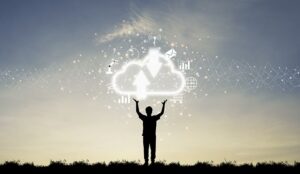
[[142, 64]]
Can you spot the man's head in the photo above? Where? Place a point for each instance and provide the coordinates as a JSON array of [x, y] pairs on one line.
[[149, 110]]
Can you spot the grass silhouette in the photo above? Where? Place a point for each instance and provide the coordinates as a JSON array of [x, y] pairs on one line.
[[159, 167]]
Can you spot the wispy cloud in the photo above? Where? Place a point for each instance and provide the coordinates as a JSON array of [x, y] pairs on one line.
[[176, 26], [140, 24]]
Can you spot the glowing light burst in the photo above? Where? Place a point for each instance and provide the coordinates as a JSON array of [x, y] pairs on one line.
[[155, 75]]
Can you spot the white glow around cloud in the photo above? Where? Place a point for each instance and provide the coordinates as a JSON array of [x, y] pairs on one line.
[[155, 75]]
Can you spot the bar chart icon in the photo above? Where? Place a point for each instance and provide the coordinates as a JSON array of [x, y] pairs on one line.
[[185, 65], [124, 99]]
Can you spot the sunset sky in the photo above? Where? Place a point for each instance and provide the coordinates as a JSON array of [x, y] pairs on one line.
[[56, 100]]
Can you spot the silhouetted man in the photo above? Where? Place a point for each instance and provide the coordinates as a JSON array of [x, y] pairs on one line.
[[149, 129]]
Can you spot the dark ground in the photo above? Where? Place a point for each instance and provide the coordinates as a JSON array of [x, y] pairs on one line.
[[159, 167]]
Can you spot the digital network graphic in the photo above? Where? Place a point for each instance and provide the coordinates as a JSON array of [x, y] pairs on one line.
[[154, 75], [144, 64]]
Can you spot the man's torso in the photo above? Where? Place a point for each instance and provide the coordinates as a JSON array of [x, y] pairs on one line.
[[149, 126]]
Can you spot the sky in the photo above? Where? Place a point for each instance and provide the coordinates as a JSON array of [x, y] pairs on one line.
[[57, 102]]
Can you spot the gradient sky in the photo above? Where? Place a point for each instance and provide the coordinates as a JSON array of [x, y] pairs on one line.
[[55, 103]]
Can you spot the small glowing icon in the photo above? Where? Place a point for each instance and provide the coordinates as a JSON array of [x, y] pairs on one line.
[[171, 53], [185, 65], [124, 99], [109, 69], [154, 75], [154, 38], [191, 84]]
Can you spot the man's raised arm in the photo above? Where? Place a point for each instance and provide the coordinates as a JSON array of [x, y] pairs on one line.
[[137, 109], [162, 109]]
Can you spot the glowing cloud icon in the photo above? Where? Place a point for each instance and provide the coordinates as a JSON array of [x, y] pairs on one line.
[[154, 75]]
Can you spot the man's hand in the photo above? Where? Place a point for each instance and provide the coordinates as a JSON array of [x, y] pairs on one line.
[[162, 109], [135, 100]]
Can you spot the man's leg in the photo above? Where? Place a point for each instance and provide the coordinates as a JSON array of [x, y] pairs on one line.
[[146, 149], [153, 148]]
